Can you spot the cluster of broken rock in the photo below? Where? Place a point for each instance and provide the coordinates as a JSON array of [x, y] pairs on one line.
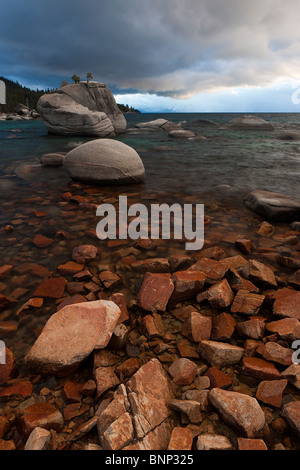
[[253, 322], [20, 113]]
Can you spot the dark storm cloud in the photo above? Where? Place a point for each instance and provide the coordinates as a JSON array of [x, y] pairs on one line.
[[171, 47]]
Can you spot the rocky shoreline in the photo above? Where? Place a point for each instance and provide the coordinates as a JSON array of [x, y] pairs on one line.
[[192, 350]]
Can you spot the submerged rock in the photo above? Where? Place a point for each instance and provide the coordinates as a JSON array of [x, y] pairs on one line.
[[249, 123], [274, 206], [52, 159], [105, 161], [82, 109]]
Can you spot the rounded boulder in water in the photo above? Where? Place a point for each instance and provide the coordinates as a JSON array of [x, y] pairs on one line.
[[105, 161]]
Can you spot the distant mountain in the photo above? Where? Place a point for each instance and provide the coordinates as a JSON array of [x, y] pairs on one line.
[[16, 93]]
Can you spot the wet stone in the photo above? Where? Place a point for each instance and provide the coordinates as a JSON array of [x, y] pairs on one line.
[[51, 288], [84, 253], [155, 292]]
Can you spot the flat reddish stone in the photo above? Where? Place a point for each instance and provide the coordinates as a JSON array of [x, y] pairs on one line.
[[276, 353], [284, 327], [7, 445], [237, 282], [72, 392], [245, 246], [73, 410], [183, 371], [251, 444], [109, 279], [220, 354], [217, 378], [144, 244], [187, 285], [186, 349], [5, 271], [70, 268], [9, 369], [223, 327], [254, 328], [189, 408], [119, 434], [42, 415], [21, 388], [270, 392], [181, 439], [259, 273], [247, 303], [197, 327], [155, 292], [129, 367], [5, 302], [234, 262], [238, 410], [52, 288], [105, 379], [74, 299], [152, 265], [214, 270], [76, 288], [120, 300], [152, 326], [32, 268], [260, 369], [219, 295], [287, 303], [83, 275], [89, 388], [42, 242], [180, 262], [291, 413], [84, 253], [216, 442], [213, 252]]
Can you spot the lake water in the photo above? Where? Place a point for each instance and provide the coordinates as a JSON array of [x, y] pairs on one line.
[[246, 160]]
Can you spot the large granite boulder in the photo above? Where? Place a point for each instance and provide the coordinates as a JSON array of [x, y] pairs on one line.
[[274, 206], [159, 125], [82, 109], [105, 161], [249, 123]]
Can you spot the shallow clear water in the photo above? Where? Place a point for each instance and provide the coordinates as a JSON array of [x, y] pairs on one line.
[[246, 160]]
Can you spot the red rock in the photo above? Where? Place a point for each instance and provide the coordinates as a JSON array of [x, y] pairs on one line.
[[83, 276], [8, 328], [72, 392], [245, 246], [251, 444], [186, 349], [294, 279], [7, 445], [152, 326], [234, 262], [260, 369], [219, 295], [220, 354], [33, 269], [254, 329], [84, 253], [8, 370], [247, 303], [74, 299], [239, 410], [288, 262], [265, 229], [223, 327], [291, 413], [120, 300], [214, 270], [75, 288], [237, 282], [180, 262], [144, 244], [119, 434], [109, 279], [152, 265], [197, 327], [4, 426], [105, 379], [217, 378], [181, 439], [189, 408], [129, 367], [276, 353], [71, 334], [187, 285], [155, 292], [259, 273], [70, 268], [74, 410], [183, 371], [5, 271], [42, 415], [287, 303], [42, 242], [270, 392], [208, 441], [251, 346], [21, 388], [213, 252], [52, 288], [284, 328], [5, 302]]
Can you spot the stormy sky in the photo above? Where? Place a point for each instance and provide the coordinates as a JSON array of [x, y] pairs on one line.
[[160, 55]]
